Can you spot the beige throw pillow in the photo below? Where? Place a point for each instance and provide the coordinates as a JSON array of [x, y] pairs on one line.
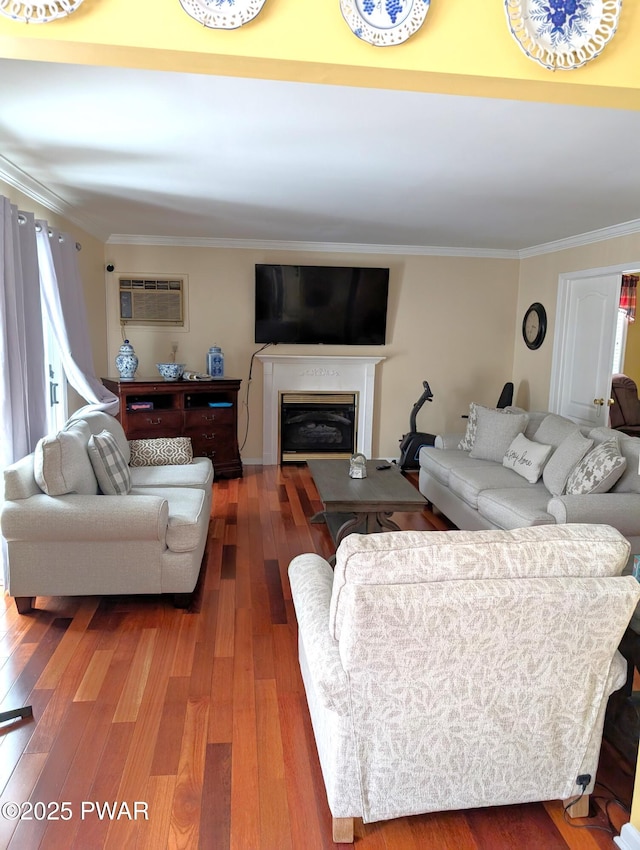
[[563, 461], [495, 432], [466, 443], [61, 462], [527, 458]]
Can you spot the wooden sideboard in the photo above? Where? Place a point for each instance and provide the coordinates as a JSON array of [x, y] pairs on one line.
[[206, 411]]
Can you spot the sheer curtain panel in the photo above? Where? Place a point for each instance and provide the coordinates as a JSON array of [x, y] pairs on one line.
[[64, 303], [22, 376]]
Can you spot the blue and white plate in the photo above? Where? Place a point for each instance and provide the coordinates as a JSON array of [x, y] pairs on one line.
[[222, 14], [384, 22], [562, 34], [37, 13]]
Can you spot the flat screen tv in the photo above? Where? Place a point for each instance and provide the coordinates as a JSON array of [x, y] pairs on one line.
[[330, 305]]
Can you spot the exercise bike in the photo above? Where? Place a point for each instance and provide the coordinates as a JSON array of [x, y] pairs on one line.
[[411, 443]]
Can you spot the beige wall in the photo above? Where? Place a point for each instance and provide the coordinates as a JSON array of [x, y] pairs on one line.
[[539, 282], [450, 322], [91, 265]]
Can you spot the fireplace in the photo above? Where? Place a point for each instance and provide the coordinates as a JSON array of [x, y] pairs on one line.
[[314, 373], [317, 425]]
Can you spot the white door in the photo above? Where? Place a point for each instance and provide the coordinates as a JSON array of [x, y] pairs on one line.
[[583, 349]]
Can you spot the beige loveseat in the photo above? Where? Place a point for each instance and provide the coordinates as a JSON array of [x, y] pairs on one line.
[[473, 488], [453, 670], [75, 541]]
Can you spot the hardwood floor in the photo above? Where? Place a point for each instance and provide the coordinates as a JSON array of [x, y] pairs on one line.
[[195, 723]]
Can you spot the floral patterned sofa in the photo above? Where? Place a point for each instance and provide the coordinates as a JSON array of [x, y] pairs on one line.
[[453, 670]]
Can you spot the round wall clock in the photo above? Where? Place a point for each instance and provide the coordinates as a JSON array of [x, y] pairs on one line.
[[534, 325]]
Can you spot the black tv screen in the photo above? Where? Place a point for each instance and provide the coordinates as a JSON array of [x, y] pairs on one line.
[[330, 305]]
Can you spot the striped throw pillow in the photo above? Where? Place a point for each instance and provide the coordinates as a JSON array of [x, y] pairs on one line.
[[109, 465]]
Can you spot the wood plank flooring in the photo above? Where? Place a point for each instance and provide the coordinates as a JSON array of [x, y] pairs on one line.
[[193, 726]]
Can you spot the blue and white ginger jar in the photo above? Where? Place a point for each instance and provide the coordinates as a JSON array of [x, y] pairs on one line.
[[215, 362], [126, 361]]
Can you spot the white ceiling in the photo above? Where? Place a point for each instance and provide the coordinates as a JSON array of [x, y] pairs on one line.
[[128, 153]]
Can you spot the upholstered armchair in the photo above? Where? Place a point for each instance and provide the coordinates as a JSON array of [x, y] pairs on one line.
[[453, 670], [625, 410]]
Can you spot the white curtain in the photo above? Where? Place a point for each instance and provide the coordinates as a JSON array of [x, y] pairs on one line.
[[23, 409], [64, 303], [38, 266]]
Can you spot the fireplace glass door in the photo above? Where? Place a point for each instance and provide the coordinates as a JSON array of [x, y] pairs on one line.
[[317, 425]]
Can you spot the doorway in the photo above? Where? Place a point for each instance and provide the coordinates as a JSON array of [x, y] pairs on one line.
[[584, 344]]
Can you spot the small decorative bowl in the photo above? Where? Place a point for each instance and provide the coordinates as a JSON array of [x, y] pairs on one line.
[[170, 371]]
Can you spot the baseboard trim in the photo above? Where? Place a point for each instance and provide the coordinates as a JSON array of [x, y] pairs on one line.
[[629, 838]]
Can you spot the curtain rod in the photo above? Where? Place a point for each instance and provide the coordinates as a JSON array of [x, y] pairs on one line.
[[22, 219]]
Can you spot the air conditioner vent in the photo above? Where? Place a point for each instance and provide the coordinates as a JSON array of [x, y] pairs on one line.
[[151, 301]]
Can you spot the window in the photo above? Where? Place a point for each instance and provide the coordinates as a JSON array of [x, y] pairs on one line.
[[621, 342]]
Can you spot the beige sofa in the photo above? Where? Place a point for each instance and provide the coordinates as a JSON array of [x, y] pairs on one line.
[[453, 670], [73, 540], [477, 493]]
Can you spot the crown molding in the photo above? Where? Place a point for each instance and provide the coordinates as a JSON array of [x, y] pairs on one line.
[[627, 228], [39, 193], [310, 247]]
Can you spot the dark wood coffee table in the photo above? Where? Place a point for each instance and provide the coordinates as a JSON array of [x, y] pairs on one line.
[[363, 505]]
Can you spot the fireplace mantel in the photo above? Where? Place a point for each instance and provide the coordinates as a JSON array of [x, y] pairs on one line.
[[295, 373]]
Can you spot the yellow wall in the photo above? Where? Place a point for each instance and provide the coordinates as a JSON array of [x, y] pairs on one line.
[[632, 352], [463, 47]]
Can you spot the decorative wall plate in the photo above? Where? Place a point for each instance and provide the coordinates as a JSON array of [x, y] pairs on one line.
[[562, 34], [37, 13], [384, 22], [222, 14]]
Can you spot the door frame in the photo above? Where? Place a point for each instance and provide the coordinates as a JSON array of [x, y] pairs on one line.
[[558, 357]]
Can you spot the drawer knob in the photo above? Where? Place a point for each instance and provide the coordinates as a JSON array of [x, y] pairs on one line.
[[157, 421]]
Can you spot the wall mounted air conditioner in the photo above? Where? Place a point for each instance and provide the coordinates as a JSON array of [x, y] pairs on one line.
[[151, 301]]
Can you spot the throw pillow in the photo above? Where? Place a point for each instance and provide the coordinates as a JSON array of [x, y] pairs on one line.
[[495, 432], [527, 458], [109, 464], [598, 470], [466, 443], [61, 463], [553, 430], [564, 460], [629, 482], [161, 451]]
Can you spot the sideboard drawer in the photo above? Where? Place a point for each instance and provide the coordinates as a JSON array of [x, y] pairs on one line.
[[209, 418], [154, 423], [217, 442]]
